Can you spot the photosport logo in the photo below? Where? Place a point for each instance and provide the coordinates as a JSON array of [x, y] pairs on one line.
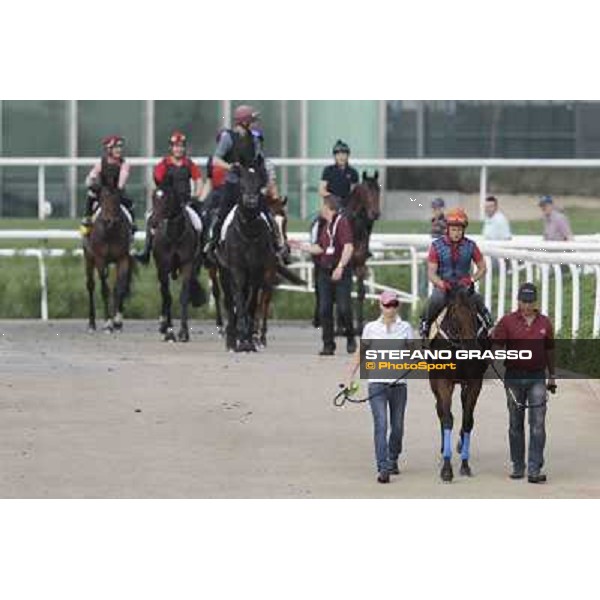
[[391, 359]]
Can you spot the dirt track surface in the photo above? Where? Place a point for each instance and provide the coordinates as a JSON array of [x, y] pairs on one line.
[[128, 416]]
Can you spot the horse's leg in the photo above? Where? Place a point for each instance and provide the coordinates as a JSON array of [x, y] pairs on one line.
[[468, 395], [230, 341], [251, 304], [103, 272], [183, 335], [238, 280], [360, 289], [265, 304], [121, 289], [216, 292], [90, 285], [442, 389], [166, 324]]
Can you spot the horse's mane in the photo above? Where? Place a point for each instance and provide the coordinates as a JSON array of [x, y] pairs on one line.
[[461, 318]]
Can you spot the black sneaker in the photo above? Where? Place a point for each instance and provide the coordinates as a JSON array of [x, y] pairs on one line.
[[394, 470], [539, 478], [383, 477], [351, 345], [517, 473]]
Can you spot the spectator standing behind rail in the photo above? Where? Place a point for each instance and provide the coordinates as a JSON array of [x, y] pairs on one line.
[[556, 223], [525, 381], [438, 229], [438, 219], [495, 224]]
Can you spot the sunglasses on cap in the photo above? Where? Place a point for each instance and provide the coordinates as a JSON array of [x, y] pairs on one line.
[[392, 304]]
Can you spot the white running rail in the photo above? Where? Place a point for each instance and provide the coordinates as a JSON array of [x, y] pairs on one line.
[[550, 264]]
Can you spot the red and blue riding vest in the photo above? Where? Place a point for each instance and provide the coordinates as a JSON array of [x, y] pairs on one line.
[[452, 268]]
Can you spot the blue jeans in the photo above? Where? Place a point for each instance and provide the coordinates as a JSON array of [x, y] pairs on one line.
[[381, 396], [528, 389]]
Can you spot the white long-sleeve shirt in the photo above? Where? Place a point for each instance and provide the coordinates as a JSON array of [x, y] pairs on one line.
[[496, 227]]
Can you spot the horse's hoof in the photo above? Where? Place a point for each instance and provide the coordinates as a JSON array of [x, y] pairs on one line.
[[465, 469], [169, 335], [183, 335], [263, 341], [162, 326], [91, 328], [446, 473], [108, 327], [220, 330], [118, 326]]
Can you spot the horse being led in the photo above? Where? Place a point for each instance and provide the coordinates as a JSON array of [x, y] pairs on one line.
[[176, 252], [458, 328], [362, 210], [108, 243]]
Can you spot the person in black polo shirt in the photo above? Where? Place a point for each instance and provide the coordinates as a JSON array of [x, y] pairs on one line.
[[340, 178]]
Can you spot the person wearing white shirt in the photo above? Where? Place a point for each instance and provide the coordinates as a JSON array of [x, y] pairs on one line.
[[386, 394], [495, 223]]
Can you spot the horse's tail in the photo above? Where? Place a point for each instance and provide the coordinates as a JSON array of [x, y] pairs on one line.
[[290, 275]]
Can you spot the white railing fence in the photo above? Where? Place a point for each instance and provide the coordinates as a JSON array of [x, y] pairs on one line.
[[483, 165], [557, 266]]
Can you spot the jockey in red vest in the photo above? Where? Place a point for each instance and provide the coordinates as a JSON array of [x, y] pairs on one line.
[[175, 174], [449, 265], [111, 172]]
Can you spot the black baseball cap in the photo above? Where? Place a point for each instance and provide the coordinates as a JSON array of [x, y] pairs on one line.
[[527, 292]]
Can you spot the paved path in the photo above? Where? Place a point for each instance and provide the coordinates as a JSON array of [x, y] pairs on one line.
[[129, 416]]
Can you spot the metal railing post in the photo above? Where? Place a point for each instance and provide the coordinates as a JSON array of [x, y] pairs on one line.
[[41, 192], [482, 191]]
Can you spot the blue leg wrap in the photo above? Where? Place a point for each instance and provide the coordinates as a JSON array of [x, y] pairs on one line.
[[466, 444], [447, 443]]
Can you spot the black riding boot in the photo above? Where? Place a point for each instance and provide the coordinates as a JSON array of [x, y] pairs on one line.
[[144, 256], [86, 222]]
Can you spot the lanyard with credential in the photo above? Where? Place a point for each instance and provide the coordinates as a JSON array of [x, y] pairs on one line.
[[331, 247]]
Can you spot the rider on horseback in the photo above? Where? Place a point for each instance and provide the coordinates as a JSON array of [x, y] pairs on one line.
[[450, 258], [340, 178], [174, 174], [110, 172], [238, 147]]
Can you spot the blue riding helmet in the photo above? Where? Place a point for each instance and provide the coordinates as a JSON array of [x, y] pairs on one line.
[[438, 203], [545, 200]]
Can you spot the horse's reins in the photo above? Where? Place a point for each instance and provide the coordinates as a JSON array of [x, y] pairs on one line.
[[523, 405], [345, 394]]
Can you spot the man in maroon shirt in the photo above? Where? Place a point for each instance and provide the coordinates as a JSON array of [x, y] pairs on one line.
[[333, 252], [525, 380]]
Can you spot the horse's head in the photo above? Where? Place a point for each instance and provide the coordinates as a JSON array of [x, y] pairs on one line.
[[462, 315], [164, 206], [373, 195], [250, 185], [110, 206]]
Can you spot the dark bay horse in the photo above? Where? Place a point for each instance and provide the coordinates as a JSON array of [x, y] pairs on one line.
[[278, 208], [362, 210], [176, 252], [458, 330], [108, 243], [245, 256]]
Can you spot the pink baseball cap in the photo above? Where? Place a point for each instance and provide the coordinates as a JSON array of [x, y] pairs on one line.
[[388, 297]]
